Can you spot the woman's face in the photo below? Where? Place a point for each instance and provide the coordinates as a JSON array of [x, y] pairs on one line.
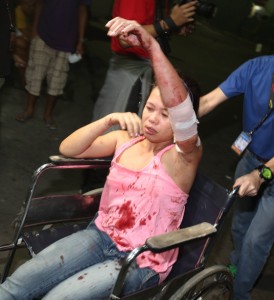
[[155, 120]]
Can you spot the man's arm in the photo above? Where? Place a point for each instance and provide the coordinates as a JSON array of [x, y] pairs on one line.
[[179, 15], [211, 100], [251, 182], [82, 22], [37, 13]]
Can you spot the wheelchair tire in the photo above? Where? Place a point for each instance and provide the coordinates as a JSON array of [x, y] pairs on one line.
[[215, 282]]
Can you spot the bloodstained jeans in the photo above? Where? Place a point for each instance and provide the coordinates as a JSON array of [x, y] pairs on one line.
[[81, 266]]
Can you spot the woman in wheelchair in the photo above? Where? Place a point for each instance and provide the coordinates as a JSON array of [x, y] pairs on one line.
[[153, 167]]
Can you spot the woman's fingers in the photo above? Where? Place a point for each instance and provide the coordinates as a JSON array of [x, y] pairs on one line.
[[130, 122]]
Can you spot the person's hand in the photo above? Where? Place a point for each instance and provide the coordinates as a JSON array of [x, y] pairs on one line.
[[187, 29], [249, 184], [127, 121], [129, 32], [183, 14], [79, 48], [19, 62]]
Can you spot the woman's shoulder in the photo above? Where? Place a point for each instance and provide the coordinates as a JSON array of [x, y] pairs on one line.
[[175, 160], [123, 137], [180, 169]]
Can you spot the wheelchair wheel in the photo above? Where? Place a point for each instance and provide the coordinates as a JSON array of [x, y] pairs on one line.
[[212, 283]]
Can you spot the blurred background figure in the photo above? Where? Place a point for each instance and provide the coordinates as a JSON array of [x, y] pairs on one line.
[[58, 30], [6, 38], [24, 15]]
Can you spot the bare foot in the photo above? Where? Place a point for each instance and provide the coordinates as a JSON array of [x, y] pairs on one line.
[[50, 123], [23, 117]]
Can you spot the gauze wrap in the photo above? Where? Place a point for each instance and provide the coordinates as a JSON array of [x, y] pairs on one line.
[[183, 120]]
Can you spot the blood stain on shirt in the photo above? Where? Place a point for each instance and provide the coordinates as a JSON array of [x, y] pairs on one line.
[[127, 217], [176, 200], [118, 240], [131, 186], [155, 166], [143, 221]]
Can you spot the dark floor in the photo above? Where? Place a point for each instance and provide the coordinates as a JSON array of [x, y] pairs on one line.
[[207, 55]]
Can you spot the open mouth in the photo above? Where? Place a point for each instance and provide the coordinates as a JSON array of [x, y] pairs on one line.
[[150, 130]]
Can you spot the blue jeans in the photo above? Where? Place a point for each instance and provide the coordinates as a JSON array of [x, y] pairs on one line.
[[252, 231], [83, 265]]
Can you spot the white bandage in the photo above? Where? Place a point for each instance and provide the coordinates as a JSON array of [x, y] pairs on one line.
[[178, 149], [183, 120]]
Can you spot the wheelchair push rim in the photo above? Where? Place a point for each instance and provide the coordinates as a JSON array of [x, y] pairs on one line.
[[215, 282]]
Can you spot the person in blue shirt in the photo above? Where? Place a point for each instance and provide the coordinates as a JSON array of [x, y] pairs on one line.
[[253, 219]]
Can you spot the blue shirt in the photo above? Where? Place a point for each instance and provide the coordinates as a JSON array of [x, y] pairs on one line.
[[253, 79]]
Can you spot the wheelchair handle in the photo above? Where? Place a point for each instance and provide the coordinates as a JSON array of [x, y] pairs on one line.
[[234, 192], [230, 199]]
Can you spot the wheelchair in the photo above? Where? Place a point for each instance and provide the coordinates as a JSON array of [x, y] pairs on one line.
[[46, 217]]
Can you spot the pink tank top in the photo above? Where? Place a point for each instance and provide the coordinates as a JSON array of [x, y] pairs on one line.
[[136, 205]]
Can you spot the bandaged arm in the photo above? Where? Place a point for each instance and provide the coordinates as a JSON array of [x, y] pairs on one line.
[[183, 120]]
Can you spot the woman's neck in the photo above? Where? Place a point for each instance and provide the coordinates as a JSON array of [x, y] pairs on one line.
[[155, 147]]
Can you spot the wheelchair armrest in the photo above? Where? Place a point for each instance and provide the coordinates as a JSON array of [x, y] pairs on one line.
[[163, 242], [63, 160]]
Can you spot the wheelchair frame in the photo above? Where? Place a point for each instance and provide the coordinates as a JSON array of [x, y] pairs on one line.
[[192, 281]]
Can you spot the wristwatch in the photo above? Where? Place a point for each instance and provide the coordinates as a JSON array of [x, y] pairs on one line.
[[265, 172]]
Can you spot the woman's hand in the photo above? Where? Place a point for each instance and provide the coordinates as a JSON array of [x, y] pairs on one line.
[[130, 33], [90, 140], [127, 121]]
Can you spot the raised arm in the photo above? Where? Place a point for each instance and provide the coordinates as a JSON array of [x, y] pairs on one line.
[[172, 90], [178, 22], [174, 93]]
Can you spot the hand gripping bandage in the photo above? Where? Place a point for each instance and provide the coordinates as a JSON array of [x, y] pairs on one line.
[[183, 120]]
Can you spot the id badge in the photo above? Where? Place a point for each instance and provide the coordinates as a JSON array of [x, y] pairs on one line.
[[241, 143]]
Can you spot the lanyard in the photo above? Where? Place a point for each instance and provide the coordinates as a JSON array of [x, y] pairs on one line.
[[11, 28], [270, 108]]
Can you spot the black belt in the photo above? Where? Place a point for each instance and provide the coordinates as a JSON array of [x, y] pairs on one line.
[[262, 160]]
